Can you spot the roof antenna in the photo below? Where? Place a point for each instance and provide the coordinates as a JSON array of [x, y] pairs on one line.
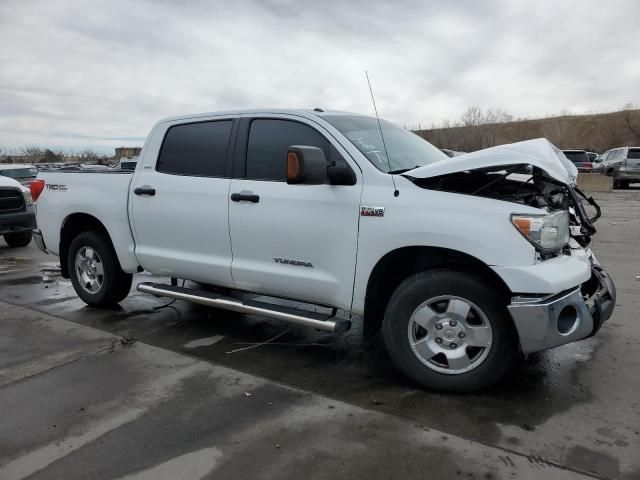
[[396, 192]]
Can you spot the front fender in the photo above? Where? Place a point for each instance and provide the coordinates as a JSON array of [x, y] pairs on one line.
[[478, 227]]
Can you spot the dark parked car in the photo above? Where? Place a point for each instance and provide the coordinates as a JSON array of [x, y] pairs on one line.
[[623, 164], [22, 173], [17, 216], [580, 159]]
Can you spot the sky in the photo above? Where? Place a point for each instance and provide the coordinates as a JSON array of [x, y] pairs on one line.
[[80, 74]]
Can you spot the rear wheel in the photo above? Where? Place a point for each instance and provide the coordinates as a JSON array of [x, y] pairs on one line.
[[21, 239], [450, 331], [95, 271], [624, 184]]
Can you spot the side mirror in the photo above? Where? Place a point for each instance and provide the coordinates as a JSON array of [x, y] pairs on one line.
[[306, 165]]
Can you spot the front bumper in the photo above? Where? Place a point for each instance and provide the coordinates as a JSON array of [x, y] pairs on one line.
[[18, 222], [553, 320]]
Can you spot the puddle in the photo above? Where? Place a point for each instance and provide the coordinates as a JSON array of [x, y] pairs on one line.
[[50, 267], [11, 260], [204, 342]]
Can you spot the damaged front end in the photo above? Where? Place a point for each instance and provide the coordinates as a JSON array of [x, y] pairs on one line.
[[535, 174], [512, 183]]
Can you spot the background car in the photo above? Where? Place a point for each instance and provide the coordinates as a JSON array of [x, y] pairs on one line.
[[580, 159], [21, 172], [623, 164], [17, 215]]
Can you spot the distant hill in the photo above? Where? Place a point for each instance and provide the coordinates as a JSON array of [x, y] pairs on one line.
[[589, 132]]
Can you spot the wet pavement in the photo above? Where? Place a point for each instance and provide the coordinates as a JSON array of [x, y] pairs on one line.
[[117, 408], [575, 408]]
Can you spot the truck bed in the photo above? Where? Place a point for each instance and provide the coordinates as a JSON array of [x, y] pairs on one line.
[[102, 194]]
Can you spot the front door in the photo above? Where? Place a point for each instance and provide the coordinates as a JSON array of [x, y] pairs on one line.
[[296, 241], [179, 204]]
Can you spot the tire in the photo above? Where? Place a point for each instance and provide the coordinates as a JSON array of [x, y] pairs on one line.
[[109, 284], [486, 323], [21, 239], [624, 184]]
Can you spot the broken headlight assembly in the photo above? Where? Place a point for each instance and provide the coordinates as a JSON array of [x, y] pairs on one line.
[[547, 232]]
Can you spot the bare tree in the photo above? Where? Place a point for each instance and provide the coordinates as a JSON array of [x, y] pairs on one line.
[[35, 154], [49, 156], [611, 135], [630, 121], [90, 156], [472, 121]]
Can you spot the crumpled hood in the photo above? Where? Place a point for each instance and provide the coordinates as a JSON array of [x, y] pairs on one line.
[[540, 153]]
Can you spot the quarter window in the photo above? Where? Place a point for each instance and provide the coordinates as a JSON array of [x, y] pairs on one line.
[[196, 149]]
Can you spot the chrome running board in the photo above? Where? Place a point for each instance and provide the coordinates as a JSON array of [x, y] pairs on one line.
[[278, 312]]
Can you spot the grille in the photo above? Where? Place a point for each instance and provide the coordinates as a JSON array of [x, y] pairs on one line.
[[11, 200]]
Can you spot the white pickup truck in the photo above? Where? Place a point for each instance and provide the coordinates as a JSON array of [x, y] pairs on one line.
[[462, 263]]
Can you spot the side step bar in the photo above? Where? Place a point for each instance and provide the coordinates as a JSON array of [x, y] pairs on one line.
[[278, 312]]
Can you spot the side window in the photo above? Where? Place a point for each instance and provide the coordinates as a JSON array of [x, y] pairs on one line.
[[196, 149], [268, 142]]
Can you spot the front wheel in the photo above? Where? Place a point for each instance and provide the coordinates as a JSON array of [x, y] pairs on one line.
[[95, 271], [20, 239], [450, 331]]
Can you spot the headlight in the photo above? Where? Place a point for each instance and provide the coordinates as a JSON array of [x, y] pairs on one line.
[[28, 200], [546, 232]]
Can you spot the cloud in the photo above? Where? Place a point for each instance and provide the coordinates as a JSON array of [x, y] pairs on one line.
[[97, 73]]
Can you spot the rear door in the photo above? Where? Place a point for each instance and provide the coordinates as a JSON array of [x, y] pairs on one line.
[[179, 202], [297, 241]]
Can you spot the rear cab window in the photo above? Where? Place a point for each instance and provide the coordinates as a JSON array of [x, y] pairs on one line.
[[196, 149]]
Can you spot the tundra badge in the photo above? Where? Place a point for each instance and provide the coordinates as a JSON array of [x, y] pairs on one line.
[[289, 261]]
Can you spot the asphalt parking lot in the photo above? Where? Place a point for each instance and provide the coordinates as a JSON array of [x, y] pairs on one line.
[[147, 391]]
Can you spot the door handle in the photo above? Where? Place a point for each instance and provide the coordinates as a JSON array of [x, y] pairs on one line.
[[245, 197], [146, 190]]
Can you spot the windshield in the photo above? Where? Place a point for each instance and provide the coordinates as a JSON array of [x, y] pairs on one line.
[[17, 173], [406, 149]]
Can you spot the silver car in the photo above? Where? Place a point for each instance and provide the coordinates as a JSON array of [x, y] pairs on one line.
[[623, 164]]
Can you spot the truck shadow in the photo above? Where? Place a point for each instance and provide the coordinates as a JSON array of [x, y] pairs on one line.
[[348, 368]]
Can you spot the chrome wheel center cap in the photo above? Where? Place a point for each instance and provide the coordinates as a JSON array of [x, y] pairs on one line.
[[449, 334]]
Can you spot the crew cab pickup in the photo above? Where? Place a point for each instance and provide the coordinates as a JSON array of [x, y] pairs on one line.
[[462, 264]]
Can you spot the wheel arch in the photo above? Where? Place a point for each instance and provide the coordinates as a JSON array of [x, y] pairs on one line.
[[398, 264], [72, 226]]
